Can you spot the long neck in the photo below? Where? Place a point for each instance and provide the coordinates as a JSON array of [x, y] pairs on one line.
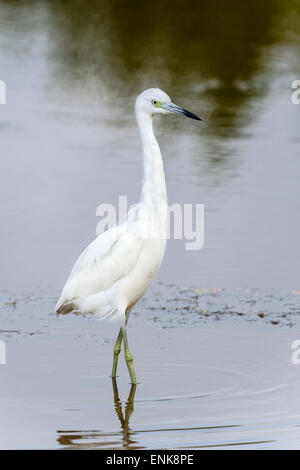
[[154, 187]]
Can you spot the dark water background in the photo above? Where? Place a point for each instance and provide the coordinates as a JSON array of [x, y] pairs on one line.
[[69, 140]]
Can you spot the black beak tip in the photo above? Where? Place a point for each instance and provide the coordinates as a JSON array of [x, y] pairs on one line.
[[191, 115]]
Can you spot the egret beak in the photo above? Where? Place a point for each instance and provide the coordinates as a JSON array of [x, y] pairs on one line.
[[173, 108]]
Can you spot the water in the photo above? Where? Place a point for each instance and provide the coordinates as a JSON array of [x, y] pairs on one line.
[[69, 139], [213, 372], [69, 142]]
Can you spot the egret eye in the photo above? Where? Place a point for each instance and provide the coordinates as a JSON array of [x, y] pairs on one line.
[[154, 102]]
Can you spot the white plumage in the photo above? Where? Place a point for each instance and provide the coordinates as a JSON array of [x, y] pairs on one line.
[[114, 271]]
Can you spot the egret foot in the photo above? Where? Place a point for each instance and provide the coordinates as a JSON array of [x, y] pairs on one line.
[[129, 362], [128, 356], [117, 349]]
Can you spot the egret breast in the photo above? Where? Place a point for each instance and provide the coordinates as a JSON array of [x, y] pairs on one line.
[[139, 279]]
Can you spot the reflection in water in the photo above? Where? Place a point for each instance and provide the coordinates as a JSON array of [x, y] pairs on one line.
[[219, 55], [127, 439], [98, 439], [129, 407], [218, 49], [73, 70]]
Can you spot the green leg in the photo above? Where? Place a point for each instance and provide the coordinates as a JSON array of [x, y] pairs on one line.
[[128, 356], [117, 349]]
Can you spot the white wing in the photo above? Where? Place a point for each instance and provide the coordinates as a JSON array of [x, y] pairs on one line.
[[109, 258]]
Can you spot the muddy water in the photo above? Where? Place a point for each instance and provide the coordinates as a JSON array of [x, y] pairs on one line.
[[215, 365], [206, 379]]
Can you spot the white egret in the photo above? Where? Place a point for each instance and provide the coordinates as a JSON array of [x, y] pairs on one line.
[[115, 270]]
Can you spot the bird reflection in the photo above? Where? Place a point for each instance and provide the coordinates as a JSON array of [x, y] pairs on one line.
[[129, 408], [99, 439]]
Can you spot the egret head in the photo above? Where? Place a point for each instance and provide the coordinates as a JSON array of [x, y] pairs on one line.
[[155, 101]]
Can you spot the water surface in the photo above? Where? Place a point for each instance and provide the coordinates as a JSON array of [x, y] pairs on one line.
[[214, 369], [69, 139], [214, 363]]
